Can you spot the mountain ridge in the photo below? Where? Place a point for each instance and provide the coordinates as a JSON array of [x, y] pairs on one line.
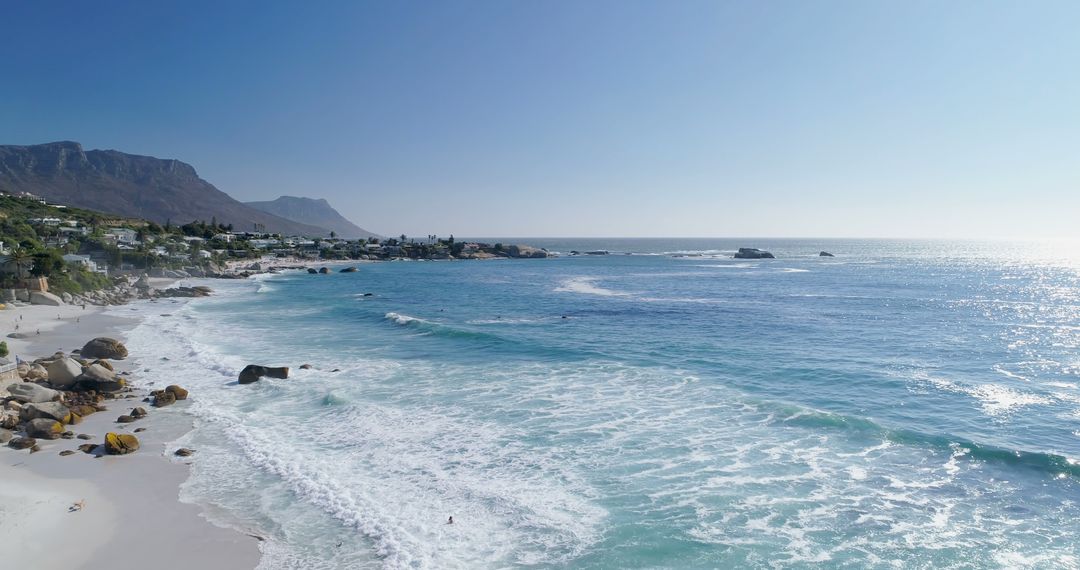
[[130, 185], [313, 211]]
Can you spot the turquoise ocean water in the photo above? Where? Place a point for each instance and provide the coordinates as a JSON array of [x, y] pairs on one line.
[[904, 404]]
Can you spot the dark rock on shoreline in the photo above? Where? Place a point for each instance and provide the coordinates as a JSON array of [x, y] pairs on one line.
[[49, 410], [312, 271], [22, 443], [163, 398], [253, 372], [177, 391], [184, 452], [104, 347], [44, 428], [99, 379], [349, 270], [324, 270], [121, 443], [825, 254]]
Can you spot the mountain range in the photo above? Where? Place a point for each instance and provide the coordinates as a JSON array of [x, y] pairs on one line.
[[316, 212], [160, 190]]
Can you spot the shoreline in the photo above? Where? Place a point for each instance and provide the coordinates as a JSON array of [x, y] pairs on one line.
[[132, 507]]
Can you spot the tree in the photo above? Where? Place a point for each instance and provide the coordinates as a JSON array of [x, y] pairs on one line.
[[21, 261], [47, 263]]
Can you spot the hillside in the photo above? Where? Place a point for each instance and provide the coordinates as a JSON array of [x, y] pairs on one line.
[[129, 185], [315, 212]]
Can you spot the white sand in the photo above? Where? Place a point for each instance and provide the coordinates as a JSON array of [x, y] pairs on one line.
[[132, 515]]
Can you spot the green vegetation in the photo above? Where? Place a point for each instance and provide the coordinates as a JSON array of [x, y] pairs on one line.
[[3, 349], [77, 282]]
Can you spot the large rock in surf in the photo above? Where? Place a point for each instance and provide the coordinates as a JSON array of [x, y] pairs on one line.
[[252, 373], [28, 392], [825, 254], [44, 428], [525, 251], [121, 443], [163, 398], [312, 270], [44, 298], [63, 372], [104, 347], [180, 393], [48, 410], [753, 253], [349, 270], [324, 270]]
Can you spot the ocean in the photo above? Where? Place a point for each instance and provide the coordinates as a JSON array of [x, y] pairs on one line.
[[905, 404]]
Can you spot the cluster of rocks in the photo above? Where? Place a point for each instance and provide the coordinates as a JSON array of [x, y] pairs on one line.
[[58, 391], [128, 290], [197, 291]]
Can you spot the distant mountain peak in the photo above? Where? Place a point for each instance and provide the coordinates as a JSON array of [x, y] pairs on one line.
[[313, 211], [130, 185]]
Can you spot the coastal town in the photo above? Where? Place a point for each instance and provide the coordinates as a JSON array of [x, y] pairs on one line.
[[70, 251]]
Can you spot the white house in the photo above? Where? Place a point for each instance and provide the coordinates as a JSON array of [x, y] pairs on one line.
[[122, 236], [83, 261]]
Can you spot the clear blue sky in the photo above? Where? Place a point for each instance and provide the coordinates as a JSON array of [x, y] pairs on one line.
[[581, 118]]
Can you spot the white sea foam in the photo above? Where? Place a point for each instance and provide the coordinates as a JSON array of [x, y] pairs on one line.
[[588, 286], [542, 463], [403, 319]]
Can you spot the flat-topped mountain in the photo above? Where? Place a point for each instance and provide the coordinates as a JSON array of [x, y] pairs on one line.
[[316, 212], [130, 185]]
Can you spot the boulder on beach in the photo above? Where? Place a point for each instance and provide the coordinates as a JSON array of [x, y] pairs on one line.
[[99, 379], [6, 436], [184, 452], [45, 298], [252, 373], [28, 392], [37, 372], [180, 393], [137, 413], [63, 372], [49, 410], [22, 443], [163, 398], [44, 428], [753, 253], [125, 419], [121, 443], [104, 347]]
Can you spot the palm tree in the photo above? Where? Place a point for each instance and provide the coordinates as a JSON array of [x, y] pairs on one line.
[[21, 260]]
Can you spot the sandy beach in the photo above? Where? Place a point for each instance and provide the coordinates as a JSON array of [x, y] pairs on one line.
[[131, 510]]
